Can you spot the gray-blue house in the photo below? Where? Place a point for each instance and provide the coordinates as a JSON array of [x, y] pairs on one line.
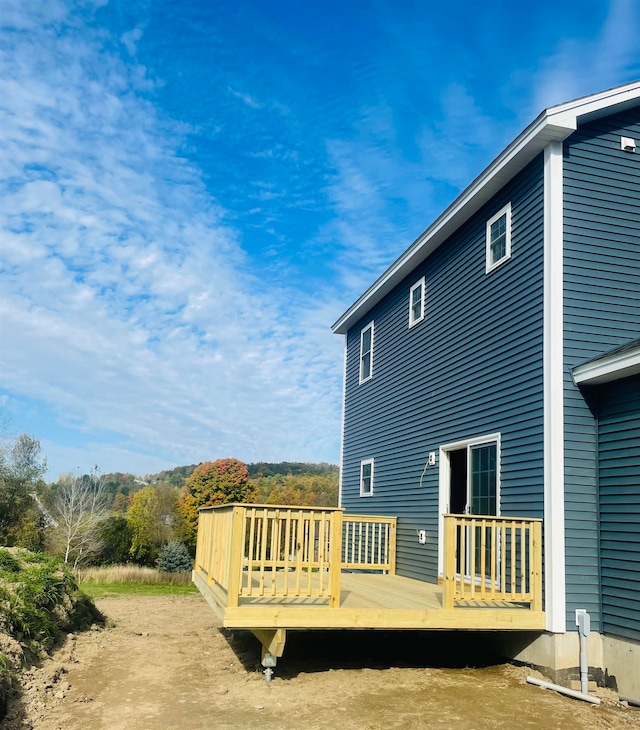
[[494, 368]]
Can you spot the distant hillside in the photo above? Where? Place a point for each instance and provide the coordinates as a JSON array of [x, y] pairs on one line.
[[175, 477], [293, 468], [129, 483]]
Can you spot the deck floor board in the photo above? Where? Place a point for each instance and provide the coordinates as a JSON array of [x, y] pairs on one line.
[[370, 600]]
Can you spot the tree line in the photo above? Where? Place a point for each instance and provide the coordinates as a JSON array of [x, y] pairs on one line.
[[101, 519]]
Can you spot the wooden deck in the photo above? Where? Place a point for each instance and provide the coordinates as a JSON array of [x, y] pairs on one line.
[[369, 601], [272, 569]]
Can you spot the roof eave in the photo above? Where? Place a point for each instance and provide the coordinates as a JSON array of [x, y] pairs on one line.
[[512, 159], [552, 125], [608, 369]]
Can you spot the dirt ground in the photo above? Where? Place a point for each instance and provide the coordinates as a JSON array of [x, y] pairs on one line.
[[164, 662]]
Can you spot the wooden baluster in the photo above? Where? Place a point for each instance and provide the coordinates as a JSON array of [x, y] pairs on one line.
[[287, 551]]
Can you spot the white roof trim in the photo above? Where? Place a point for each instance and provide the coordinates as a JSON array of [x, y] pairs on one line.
[[608, 368], [553, 124]]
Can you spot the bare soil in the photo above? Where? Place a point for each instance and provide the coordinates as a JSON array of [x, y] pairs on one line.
[[165, 662]]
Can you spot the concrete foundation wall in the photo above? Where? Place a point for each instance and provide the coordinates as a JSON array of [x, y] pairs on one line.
[[622, 663], [614, 662]]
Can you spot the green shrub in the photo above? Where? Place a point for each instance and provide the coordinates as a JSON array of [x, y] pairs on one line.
[[39, 597], [174, 558], [8, 564]]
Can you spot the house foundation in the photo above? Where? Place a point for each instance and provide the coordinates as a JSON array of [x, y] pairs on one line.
[[614, 662], [622, 665]]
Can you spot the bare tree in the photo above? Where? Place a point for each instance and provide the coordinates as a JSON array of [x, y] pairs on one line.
[[80, 503]]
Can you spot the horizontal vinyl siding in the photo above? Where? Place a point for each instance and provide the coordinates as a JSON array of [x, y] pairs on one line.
[[619, 486], [601, 311], [472, 367]]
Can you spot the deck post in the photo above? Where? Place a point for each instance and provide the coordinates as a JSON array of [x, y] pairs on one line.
[[392, 548], [335, 559], [449, 562], [235, 557], [536, 558]]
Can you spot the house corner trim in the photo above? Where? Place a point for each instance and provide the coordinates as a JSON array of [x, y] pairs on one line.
[[344, 410], [553, 340]]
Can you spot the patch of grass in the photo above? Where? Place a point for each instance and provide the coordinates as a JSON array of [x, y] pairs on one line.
[[114, 590], [123, 574], [8, 564]]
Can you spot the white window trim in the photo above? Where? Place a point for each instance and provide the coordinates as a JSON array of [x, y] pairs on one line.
[[419, 283], [362, 492], [444, 478], [503, 211], [362, 331]]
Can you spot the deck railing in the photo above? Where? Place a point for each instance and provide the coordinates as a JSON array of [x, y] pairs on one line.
[[489, 559], [260, 551], [369, 543], [298, 553]]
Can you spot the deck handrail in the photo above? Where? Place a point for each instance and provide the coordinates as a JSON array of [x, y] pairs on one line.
[[283, 551], [491, 558], [369, 543]]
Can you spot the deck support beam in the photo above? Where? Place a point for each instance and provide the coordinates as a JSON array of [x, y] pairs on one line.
[[272, 641]]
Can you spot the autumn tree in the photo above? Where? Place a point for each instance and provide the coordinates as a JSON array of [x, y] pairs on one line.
[[300, 489], [212, 483]]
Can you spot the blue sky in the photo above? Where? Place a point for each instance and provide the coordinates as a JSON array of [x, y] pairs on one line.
[[192, 193]]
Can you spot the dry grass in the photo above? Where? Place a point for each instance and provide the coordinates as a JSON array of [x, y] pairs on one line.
[[131, 574]]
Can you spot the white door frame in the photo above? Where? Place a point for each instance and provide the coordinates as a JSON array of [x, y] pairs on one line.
[[444, 474]]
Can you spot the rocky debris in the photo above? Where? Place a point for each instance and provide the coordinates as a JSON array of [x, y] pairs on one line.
[[41, 687]]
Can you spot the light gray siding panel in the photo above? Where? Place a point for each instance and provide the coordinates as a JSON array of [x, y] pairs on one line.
[[601, 311], [618, 407], [472, 367]]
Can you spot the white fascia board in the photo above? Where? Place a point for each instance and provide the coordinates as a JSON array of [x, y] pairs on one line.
[[552, 125], [510, 161], [593, 106], [608, 369]]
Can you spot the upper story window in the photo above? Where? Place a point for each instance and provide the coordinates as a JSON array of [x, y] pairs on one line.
[[366, 478], [366, 352], [416, 302], [499, 238]]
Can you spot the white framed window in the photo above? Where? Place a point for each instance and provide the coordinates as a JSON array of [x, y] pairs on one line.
[[366, 353], [366, 478], [416, 302], [499, 238]]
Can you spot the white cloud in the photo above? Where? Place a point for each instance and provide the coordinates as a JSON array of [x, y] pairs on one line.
[[128, 307], [581, 66], [246, 99]]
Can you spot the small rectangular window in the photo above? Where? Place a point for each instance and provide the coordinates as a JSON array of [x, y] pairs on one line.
[[366, 353], [416, 302], [366, 478], [498, 245]]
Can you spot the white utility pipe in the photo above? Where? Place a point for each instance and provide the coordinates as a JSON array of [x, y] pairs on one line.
[[564, 690]]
